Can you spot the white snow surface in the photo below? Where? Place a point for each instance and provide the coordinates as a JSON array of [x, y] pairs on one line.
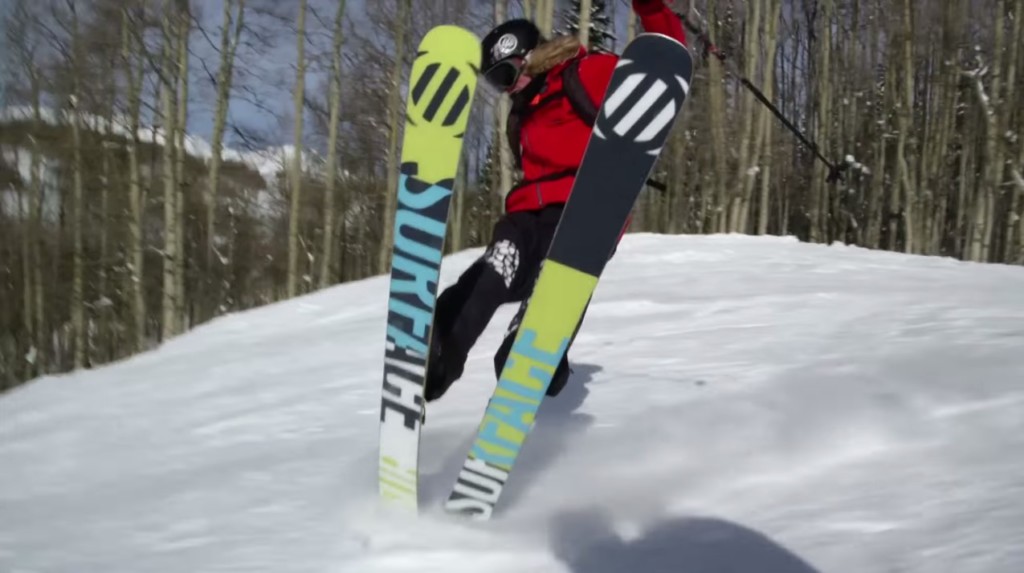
[[739, 404]]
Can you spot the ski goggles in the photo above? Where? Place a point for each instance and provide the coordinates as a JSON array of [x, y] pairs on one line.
[[504, 74]]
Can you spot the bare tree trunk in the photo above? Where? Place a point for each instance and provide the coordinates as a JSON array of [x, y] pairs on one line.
[[788, 92], [748, 143], [394, 120], [891, 225], [963, 217], [1016, 172], [334, 97], [1010, 54], [1018, 198], [766, 117], [981, 233], [631, 24], [184, 28], [947, 102], [546, 16], [928, 156], [877, 192], [820, 221], [718, 121], [1001, 113], [542, 13], [1017, 212], [78, 278], [876, 129], [584, 31], [904, 117], [501, 112], [33, 281], [134, 69], [39, 319], [28, 287], [38, 246], [168, 101], [296, 166], [105, 334], [229, 39], [107, 344]]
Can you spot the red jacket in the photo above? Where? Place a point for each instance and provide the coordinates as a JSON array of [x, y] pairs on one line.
[[553, 138]]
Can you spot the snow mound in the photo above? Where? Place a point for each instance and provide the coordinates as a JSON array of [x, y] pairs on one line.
[[738, 404]]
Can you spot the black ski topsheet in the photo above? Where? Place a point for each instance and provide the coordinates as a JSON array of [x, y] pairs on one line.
[[643, 100], [645, 95]]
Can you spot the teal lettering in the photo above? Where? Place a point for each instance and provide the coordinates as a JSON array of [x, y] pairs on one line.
[[423, 277], [488, 436], [421, 318], [524, 345], [512, 412], [422, 200], [405, 340], [405, 218], [513, 386]]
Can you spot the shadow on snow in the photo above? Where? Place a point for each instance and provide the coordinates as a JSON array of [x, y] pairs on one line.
[[586, 542]]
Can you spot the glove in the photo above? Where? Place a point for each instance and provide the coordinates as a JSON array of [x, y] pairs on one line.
[[648, 7]]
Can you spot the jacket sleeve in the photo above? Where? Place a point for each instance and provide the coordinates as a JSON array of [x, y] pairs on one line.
[[596, 72], [657, 18], [596, 69]]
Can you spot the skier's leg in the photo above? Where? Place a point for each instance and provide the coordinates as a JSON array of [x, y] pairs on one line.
[[544, 230], [465, 309], [561, 375], [450, 301]]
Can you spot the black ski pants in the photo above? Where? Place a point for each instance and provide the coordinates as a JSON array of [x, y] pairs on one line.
[[505, 273]]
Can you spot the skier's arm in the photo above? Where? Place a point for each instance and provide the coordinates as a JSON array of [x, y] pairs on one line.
[[658, 18], [595, 73], [596, 69]]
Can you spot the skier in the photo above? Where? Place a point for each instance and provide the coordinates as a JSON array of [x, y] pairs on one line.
[[556, 86]]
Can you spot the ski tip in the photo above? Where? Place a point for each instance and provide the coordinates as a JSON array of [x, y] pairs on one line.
[[451, 39], [650, 44]]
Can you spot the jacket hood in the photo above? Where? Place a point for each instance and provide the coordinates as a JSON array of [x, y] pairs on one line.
[[550, 54]]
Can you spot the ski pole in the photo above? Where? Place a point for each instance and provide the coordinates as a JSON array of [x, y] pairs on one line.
[[835, 172]]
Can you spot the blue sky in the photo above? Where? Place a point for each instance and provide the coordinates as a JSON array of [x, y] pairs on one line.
[[262, 100], [268, 76], [271, 76]]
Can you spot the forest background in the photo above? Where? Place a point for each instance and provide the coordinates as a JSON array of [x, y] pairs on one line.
[[164, 162]]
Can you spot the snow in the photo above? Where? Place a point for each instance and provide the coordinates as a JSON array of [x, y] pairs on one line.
[[738, 404]]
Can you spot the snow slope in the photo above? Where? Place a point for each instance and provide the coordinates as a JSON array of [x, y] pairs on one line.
[[739, 405]]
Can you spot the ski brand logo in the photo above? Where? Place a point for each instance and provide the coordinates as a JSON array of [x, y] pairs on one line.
[[442, 83], [505, 46], [452, 83], [507, 420], [477, 489], [416, 265], [643, 107], [510, 414]]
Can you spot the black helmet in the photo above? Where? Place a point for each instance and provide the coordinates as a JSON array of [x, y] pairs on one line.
[[504, 50]]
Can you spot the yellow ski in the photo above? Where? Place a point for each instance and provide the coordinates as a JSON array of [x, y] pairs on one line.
[[441, 89]]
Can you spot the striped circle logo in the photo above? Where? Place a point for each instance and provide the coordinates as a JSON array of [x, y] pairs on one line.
[[642, 107]]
